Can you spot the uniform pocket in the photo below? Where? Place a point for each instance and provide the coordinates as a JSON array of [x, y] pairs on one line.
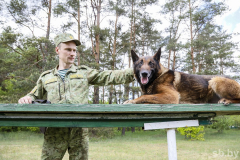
[[77, 82], [78, 90], [52, 91]]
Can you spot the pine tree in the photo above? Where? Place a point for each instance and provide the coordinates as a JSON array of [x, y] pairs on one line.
[[215, 51], [176, 11], [25, 55], [199, 15]]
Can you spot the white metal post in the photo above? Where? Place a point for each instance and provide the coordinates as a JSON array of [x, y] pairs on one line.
[[172, 144], [171, 134]]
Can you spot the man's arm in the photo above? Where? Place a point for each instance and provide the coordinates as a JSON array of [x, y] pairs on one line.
[[110, 77], [37, 93]]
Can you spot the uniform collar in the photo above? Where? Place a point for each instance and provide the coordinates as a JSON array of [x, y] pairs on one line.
[[73, 68]]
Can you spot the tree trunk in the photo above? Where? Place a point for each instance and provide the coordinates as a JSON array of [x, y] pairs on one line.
[[174, 60], [115, 42], [133, 129], [199, 63], [169, 54], [126, 92], [103, 96], [110, 95], [97, 38], [96, 95], [126, 86], [131, 35], [120, 94], [115, 95], [47, 34], [97, 51], [78, 21], [133, 91], [191, 33], [221, 66], [143, 45], [123, 131], [221, 63], [113, 57], [169, 58], [49, 18]]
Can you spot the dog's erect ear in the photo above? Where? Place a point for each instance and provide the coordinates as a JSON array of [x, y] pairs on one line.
[[157, 55], [134, 56]]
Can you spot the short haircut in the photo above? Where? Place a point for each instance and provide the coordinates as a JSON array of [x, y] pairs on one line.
[[59, 45]]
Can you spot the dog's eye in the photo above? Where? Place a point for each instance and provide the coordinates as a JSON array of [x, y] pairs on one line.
[[141, 62], [150, 63]]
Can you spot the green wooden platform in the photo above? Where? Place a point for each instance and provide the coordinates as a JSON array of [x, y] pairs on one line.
[[101, 115]]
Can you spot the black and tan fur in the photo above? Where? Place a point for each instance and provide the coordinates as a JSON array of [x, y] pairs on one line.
[[164, 86]]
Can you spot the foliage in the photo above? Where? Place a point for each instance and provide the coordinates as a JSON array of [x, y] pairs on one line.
[[7, 91], [106, 133], [23, 60], [193, 133], [16, 129], [235, 121], [33, 129], [222, 123], [8, 129], [215, 51], [101, 133]]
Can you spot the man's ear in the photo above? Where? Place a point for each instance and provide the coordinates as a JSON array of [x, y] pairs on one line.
[[157, 55], [56, 50], [134, 56]]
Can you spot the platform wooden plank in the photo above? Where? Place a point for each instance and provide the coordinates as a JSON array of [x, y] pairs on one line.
[[219, 109], [84, 123], [102, 115]]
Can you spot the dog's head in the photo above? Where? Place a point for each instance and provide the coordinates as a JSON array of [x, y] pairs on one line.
[[146, 68]]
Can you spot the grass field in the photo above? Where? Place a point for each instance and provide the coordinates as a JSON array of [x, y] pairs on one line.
[[145, 145]]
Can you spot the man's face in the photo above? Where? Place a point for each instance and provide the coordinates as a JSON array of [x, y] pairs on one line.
[[66, 52]]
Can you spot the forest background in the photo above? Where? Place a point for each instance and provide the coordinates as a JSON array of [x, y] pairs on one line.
[[192, 33]]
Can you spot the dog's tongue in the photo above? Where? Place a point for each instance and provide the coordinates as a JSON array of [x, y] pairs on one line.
[[144, 80]]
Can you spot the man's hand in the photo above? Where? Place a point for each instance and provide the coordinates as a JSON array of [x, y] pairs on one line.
[[25, 100]]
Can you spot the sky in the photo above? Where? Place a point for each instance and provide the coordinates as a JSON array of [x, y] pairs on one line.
[[231, 19]]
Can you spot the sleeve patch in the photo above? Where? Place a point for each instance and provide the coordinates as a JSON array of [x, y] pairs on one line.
[[74, 76], [34, 90]]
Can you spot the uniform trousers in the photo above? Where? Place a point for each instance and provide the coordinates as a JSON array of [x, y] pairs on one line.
[[58, 140]]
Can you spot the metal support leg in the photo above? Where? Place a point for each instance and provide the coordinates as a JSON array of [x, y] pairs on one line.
[[171, 134], [172, 144]]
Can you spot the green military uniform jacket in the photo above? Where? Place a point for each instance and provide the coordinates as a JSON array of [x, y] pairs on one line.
[[75, 87]]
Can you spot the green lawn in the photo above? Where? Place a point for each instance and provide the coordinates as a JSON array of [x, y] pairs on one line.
[[145, 145]]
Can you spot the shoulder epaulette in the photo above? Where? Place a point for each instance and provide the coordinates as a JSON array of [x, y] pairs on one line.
[[83, 67], [46, 72]]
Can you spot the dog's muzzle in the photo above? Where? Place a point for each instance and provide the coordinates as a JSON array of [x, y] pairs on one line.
[[144, 77]]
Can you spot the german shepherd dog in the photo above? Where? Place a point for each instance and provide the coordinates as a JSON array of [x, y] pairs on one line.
[[163, 86]]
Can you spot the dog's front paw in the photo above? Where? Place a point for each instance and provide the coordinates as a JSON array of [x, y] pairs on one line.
[[129, 102], [225, 101]]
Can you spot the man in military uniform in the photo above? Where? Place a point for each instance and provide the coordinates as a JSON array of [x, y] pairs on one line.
[[68, 83]]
